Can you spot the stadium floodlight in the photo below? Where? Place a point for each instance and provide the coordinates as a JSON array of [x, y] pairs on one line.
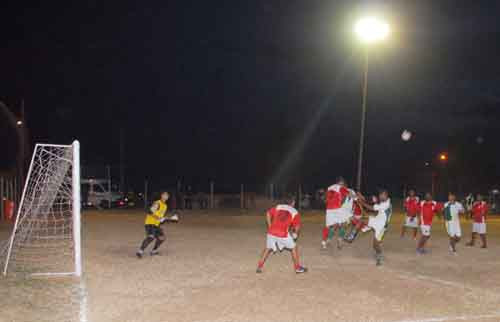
[[443, 157], [371, 29]]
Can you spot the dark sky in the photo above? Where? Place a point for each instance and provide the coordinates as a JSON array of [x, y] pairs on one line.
[[257, 91]]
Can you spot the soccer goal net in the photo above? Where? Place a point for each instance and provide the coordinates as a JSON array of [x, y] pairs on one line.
[[46, 236]]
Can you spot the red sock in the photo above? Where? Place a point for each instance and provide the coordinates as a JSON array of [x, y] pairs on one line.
[[296, 266], [325, 233], [261, 264]]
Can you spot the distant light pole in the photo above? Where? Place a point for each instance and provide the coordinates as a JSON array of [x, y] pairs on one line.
[[369, 31]]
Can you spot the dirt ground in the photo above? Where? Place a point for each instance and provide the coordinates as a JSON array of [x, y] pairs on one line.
[[206, 272]]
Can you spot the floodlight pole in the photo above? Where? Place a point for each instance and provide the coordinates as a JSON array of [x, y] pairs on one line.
[[363, 122]]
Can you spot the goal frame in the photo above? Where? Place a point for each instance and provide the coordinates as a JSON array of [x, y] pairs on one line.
[[76, 211]]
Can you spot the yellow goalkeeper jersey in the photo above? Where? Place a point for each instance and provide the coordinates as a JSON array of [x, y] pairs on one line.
[[158, 210]]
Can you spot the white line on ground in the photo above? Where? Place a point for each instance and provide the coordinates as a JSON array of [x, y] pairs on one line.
[[457, 318]]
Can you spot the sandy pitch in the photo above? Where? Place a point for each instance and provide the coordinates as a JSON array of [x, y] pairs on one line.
[[206, 272]]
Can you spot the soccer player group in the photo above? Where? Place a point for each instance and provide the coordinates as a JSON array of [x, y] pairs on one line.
[[344, 207]]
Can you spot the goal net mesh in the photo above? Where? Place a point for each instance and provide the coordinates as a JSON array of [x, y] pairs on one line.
[[42, 240]]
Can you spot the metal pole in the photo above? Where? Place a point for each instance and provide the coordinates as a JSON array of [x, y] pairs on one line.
[[109, 187], [242, 196], [146, 195], [2, 214], [363, 123], [77, 239], [212, 203]]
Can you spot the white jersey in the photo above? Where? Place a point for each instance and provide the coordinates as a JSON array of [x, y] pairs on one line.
[[349, 201], [452, 211]]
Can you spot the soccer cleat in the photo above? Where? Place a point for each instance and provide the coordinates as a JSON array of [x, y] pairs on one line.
[[259, 270], [139, 253], [379, 261], [323, 244], [300, 270], [154, 252], [421, 251]]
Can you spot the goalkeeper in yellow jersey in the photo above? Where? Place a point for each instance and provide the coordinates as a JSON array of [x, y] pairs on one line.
[[154, 219]]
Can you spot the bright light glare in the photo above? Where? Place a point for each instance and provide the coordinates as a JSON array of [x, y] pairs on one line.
[[443, 157], [19, 123], [371, 29]]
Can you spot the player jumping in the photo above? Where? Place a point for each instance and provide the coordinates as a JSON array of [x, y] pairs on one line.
[[336, 214], [479, 212], [283, 222], [378, 223], [154, 219], [428, 208], [411, 205], [452, 211]]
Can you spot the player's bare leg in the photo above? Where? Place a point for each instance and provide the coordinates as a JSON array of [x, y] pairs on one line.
[[341, 235], [403, 231], [296, 261], [263, 258], [377, 247], [472, 240], [414, 233], [453, 243], [421, 244], [483, 240]]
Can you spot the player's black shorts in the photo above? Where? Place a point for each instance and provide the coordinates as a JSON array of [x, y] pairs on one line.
[[153, 230]]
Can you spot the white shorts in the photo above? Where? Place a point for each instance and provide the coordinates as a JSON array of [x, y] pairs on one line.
[[479, 228], [453, 228], [378, 227], [426, 230], [411, 222], [337, 217], [278, 243]]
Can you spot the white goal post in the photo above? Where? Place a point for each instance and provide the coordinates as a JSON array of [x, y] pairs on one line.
[[46, 238]]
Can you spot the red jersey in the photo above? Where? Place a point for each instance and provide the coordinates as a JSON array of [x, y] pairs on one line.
[[356, 210], [412, 206], [479, 211], [282, 218], [427, 211], [336, 196]]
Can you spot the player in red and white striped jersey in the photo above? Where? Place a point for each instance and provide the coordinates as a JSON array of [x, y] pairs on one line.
[[283, 222], [479, 212], [411, 205], [427, 209], [336, 212]]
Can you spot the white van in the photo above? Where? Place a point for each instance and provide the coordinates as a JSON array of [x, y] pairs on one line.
[[99, 193]]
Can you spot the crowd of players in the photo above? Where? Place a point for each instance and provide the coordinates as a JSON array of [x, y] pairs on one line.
[[344, 210]]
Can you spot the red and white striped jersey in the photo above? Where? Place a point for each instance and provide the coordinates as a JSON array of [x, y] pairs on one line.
[[336, 196]]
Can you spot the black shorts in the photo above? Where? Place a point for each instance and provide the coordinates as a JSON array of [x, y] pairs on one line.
[[153, 230]]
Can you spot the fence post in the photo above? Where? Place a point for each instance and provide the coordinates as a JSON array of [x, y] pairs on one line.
[[212, 204], [2, 214], [146, 195], [299, 199], [242, 196]]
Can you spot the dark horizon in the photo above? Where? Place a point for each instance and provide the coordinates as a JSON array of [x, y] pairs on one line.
[[260, 91]]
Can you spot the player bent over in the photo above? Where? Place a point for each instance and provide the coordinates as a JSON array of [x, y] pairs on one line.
[[452, 211], [411, 208], [336, 213], [428, 208], [378, 223], [283, 222], [154, 219], [479, 212]]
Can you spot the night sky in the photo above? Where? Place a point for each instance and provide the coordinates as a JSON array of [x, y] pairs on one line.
[[258, 91]]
